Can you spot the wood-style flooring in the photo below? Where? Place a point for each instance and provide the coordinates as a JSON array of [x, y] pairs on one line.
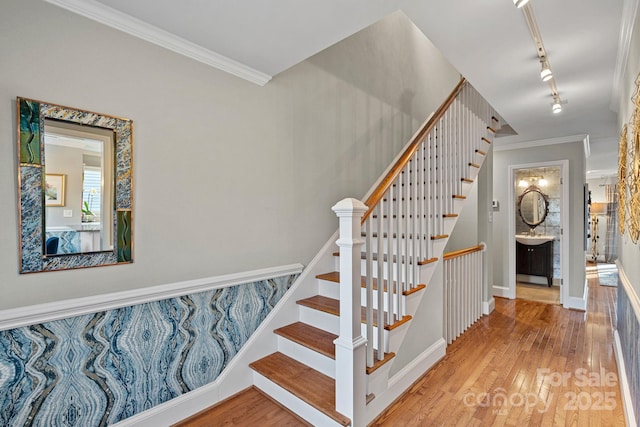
[[540, 293], [526, 364]]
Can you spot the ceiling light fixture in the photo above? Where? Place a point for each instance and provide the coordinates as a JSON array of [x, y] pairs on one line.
[[557, 105], [545, 73]]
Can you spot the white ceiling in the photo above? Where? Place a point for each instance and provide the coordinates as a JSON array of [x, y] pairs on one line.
[[486, 40]]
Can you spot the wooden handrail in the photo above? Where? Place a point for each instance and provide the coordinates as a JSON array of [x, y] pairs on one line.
[[461, 252], [397, 168]]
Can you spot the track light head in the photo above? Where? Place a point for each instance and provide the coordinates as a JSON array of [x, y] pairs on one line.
[[520, 3], [545, 72], [557, 105]]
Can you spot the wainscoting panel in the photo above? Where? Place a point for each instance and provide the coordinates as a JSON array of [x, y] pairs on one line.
[[98, 369], [629, 331]]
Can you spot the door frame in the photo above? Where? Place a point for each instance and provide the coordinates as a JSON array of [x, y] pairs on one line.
[[564, 225]]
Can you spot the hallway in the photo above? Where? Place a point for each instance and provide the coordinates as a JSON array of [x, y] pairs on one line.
[[527, 364]]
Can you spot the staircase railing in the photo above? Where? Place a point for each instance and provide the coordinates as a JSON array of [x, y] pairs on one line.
[[463, 278], [406, 222]]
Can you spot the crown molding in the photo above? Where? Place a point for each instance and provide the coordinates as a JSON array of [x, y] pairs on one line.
[[120, 21], [629, 10]]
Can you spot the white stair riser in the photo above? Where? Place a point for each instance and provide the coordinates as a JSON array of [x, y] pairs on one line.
[[309, 357], [319, 319], [328, 289]]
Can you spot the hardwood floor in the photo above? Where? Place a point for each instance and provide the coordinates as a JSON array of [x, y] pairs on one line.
[[527, 364], [540, 293], [248, 408]]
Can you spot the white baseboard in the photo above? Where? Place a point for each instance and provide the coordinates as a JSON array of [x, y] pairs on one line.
[[501, 291], [627, 400], [488, 306], [578, 303], [40, 313], [402, 380]]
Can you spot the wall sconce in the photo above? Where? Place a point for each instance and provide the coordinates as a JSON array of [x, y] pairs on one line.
[[533, 180]]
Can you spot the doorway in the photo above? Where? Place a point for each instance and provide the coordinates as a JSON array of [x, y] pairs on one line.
[[539, 243]]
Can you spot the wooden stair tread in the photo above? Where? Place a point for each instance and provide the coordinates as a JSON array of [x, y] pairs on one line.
[[332, 306], [377, 363], [311, 337], [334, 276], [311, 386], [322, 341]]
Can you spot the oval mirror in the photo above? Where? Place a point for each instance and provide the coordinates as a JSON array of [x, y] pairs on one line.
[[533, 206]]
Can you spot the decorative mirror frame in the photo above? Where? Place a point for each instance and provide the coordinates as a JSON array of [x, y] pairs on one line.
[[31, 175], [533, 189]]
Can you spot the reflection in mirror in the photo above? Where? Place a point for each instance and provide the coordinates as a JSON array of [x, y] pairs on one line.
[[75, 174], [84, 156], [533, 206]]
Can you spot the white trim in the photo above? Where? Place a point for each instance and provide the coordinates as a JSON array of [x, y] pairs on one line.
[[578, 303], [502, 292], [543, 142], [488, 306], [629, 10], [627, 400], [564, 243], [29, 315], [402, 380], [121, 21]]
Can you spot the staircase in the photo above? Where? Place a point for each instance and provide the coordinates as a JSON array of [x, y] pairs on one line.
[[333, 363]]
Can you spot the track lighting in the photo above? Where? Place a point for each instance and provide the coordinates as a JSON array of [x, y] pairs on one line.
[[557, 105], [545, 73], [520, 3]]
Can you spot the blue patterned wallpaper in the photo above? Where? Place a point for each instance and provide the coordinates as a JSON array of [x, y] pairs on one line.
[[628, 327], [98, 369]]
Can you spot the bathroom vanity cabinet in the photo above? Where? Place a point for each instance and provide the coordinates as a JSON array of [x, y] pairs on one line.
[[535, 260]]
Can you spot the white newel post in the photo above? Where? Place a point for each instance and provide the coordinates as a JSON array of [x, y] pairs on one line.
[[350, 345]]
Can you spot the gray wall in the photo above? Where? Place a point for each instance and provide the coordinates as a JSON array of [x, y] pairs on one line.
[[229, 176], [629, 252], [574, 153]]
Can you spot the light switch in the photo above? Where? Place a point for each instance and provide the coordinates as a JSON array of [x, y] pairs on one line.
[[67, 213]]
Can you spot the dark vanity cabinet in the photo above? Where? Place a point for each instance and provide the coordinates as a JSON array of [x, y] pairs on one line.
[[535, 260]]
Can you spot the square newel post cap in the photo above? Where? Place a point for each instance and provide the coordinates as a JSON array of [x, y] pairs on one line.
[[348, 206]]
